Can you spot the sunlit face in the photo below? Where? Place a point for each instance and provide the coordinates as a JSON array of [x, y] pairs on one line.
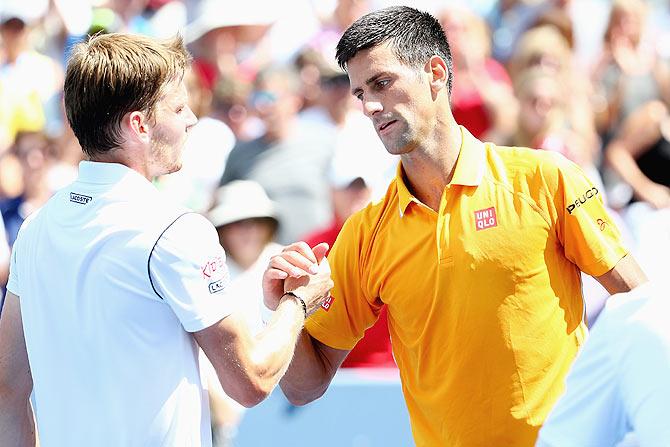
[[244, 240], [537, 103], [396, 97], [275, 104], [173, 118]]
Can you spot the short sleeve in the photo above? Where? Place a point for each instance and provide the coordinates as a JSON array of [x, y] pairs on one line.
[[590, 238], [342, 320], [187, 268], [13, 284]]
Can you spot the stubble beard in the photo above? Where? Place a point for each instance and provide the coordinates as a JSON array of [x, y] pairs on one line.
[[167, 158], [402, 143]]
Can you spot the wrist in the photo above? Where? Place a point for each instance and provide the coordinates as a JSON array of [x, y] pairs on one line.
[[298, 299]]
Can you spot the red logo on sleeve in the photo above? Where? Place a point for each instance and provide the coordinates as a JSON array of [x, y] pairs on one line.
[[486, 218], [327, 303], [213, 265]]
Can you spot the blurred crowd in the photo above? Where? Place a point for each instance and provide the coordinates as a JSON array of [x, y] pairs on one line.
[[282, 151]]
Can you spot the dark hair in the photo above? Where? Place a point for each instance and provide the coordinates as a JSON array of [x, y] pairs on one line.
[[414, 37], [113, 74]]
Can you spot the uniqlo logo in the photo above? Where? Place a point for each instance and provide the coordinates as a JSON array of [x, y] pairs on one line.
[[486, 218], [327, 303]]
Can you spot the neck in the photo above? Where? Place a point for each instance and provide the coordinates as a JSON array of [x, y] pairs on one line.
[[117, 155], [13, 53], [429, 168]]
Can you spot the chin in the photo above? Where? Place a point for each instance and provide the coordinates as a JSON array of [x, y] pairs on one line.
[[175, 167]]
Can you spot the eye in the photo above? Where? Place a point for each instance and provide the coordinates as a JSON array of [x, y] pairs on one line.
[[359, 96], [380, 84], [180, 109]]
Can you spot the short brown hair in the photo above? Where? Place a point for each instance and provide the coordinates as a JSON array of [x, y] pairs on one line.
[[113, 74]]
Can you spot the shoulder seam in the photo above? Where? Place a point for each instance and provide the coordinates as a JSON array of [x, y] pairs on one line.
[[526, 199], [154, 247]]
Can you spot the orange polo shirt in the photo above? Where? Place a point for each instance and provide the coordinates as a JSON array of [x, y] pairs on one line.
[[484, 297]]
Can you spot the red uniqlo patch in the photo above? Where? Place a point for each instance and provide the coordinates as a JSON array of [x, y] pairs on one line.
[[486, 218], [327, 303]]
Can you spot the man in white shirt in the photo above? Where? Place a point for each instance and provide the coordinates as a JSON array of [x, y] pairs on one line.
[[620, 381], [112, 288]]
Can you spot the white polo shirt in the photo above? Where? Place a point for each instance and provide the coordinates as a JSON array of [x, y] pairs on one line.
[[111, 279], [620, 381]]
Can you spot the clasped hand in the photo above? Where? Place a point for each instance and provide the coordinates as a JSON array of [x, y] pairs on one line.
[[299, 269]]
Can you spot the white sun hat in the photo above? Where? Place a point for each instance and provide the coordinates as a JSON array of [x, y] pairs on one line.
[[239, 200], [213, 14]]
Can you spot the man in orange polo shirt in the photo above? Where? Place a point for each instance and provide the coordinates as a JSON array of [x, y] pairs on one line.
[[475, 249]]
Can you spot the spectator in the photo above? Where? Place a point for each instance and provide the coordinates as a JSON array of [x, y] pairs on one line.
[[209, 143], [230, 104], [640, 154], [33, 153], [245, 219], [510, 19], [288, 160], [28, 79], [482, 99], [544, 119], [350, 193], [545, 47], [629, 73], [230, 41]]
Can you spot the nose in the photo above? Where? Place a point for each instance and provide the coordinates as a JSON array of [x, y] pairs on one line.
[[191, 119], [371, 107]]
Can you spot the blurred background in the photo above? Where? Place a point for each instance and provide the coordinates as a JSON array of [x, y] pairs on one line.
[[282, 151]]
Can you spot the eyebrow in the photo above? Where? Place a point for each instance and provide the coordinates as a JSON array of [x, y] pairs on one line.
[[369, 81]]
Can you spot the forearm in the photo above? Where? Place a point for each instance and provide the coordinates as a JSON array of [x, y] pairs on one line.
[[17, 427], [273, 347], [309, 374], [626, 167]]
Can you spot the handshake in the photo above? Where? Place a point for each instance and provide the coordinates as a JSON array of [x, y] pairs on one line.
[[301, 273]]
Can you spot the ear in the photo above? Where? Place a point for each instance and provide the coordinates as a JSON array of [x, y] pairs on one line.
[[438, 72], [139, 126]]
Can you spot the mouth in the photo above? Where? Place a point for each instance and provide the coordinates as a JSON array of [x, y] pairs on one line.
[[382, 127]]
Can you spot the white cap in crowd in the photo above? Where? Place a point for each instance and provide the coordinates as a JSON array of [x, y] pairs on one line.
[[240, 200], [214, 14], [26, 11]]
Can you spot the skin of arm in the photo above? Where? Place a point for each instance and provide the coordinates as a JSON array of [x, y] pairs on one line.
[[624, 277], [249, 367], [17, 427], [312, 369]]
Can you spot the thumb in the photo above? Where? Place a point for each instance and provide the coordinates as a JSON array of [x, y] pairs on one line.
[[320, 251]]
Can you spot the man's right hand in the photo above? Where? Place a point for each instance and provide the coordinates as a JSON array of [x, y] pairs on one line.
[[313, 289], [308, 269]]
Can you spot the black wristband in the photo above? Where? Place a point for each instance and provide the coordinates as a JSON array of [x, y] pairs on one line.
[[304, 306]]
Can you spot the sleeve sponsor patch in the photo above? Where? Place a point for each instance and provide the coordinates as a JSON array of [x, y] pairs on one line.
[[215, 274], [589, 194]]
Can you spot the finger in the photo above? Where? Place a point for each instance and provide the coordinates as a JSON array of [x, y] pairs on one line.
[[320, 251], [302, 248], [273, 273], [292, 263]]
